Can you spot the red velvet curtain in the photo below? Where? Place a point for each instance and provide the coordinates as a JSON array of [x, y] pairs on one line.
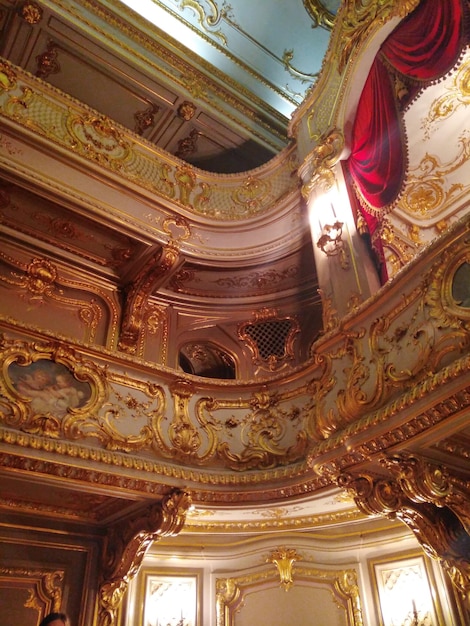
[[427, 44], [377, 157], [420, 50]]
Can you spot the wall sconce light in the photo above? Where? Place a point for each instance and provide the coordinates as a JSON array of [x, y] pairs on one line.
[[284, 558], [331, 242]]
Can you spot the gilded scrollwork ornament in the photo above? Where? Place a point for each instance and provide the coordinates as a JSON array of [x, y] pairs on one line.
[[155, 272], [126, 544], [360, 18], [320, 163], [47, 62], [231, 592], [320, 14], [423, 481], [438, 528], [49, 389], [270, 337], [31, 12], [99, 139]]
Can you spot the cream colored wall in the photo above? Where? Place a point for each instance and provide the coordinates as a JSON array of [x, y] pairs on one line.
[[319, 595], [302, 605]]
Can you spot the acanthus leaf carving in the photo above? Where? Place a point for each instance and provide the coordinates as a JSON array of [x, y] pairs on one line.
[[126, 544], [437, 527]]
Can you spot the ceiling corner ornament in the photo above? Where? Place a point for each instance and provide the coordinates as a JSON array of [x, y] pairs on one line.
[[321, 160], [283, 559], [126, 544], [304, 77], [145, 119], [207, 22], [47, 62], [319, 13], [31, 12]]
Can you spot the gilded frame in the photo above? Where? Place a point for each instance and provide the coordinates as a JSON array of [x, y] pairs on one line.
[[49, 389], [230, 592], [163, 584], [41, 587]]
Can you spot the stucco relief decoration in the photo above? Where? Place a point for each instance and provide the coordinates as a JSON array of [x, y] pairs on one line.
[[252, 196], [270, 338], [44, 588], [8, 77], [186, 111], [426, 192], [231, 592], [99, 140], [449, 293], [208, 19], [453, 98], [186, 181], [47, 62], [262, 432], [42, 285], [407, 345], [362, 17], [145, 119], [321, 161], [31, 12], [46, 389]]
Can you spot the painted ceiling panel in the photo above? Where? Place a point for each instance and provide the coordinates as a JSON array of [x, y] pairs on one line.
[[278, 42]]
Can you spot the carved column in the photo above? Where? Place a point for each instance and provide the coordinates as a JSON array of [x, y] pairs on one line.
[[430, 500], [125, 547]]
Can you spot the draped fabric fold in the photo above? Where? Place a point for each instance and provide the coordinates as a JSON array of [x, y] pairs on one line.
[[427, 44], [376, 161], [423, 48]]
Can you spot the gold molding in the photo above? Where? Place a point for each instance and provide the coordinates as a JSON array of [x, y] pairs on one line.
[[60, 411], [284, 559], [230, 592], [35, 107], [136, 308], [319, 14], [320, 161], [45, 587]]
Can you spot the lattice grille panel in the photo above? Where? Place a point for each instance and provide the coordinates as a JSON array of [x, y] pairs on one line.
[[270, 337]]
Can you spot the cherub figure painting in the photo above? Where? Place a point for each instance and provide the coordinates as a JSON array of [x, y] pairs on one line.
[[49, 387]]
